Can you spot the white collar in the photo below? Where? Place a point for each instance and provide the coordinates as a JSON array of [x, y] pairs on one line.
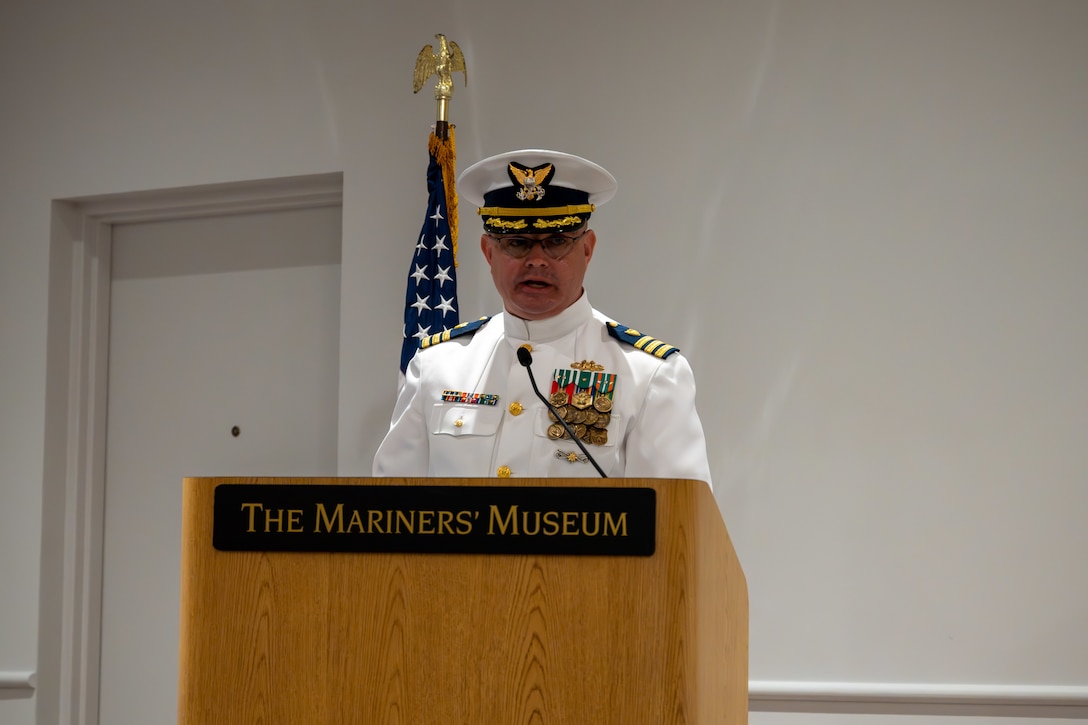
[[551, 328]]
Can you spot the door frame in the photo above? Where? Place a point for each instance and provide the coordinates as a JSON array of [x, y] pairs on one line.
[[74, 473]]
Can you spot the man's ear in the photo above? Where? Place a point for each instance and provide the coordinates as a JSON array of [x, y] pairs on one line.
[[485, 248], [590, 242]]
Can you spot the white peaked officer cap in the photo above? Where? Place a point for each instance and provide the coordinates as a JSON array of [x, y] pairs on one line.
[[535, 191]]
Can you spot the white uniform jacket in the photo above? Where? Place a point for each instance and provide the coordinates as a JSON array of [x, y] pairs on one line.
[[467, 408]]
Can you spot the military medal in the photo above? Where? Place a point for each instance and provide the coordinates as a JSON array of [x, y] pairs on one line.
[[581, 400], [582, 395]]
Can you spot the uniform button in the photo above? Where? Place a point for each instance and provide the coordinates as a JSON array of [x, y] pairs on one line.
[[503, 472], [516, 408]]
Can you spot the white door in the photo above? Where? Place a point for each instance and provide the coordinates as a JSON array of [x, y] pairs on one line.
[[223, 360]]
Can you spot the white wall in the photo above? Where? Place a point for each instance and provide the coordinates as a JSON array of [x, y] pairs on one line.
[[863, 221]]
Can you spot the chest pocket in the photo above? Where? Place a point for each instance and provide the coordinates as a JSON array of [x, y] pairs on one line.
[[465, 420]]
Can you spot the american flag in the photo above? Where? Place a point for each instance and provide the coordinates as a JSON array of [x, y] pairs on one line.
[[430, 300]]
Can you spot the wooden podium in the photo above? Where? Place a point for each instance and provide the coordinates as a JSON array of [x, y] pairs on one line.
[[297, 637]]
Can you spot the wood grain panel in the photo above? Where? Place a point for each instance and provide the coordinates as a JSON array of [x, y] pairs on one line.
[[422, 638]]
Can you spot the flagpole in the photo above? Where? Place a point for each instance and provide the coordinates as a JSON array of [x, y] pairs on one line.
[[430, 304]]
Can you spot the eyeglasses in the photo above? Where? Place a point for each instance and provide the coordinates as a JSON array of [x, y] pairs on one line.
[[556, 247]]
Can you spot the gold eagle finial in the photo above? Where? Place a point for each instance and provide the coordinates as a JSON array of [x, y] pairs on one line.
[[448, 60]]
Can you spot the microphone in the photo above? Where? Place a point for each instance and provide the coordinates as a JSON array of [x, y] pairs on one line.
[[526, 359]]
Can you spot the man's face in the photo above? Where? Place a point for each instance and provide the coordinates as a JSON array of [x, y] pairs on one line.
[[537, 286]]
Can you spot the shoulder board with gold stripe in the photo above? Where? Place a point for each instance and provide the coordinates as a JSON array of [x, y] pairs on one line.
[[623, 333], [465, 328]]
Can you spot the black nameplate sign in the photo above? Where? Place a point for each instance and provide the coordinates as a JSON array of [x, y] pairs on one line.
[[435, 519]]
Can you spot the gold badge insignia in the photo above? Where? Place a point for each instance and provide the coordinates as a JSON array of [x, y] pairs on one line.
[[531, 181], [572, 456]]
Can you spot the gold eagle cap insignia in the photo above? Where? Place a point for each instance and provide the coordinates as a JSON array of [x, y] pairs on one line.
[[530, 181], [530, 177], [448, 60]]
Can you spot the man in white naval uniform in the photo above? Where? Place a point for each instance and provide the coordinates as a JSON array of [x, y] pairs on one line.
[[467, 408]]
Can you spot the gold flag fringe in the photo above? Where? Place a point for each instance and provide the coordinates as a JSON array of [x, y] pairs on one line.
[[445, 152]]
